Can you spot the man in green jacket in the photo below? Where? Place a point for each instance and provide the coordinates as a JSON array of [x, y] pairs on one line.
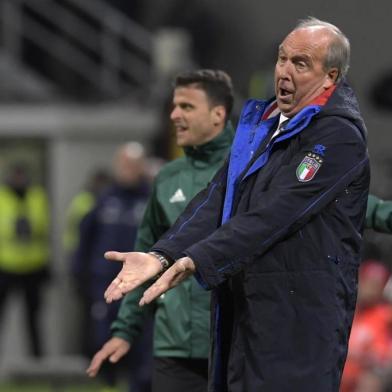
[[202, 103]]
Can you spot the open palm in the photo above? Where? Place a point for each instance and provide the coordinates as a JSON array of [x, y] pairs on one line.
[[178, 272], [137, 268]]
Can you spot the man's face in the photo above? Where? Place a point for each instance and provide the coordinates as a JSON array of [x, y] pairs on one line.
[[299, 73], [193, 117], [128, 171]]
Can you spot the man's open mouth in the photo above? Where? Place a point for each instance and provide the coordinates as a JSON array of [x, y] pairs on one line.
[[284, 93]]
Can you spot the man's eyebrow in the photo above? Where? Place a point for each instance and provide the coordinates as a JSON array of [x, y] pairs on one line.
[[302, 57], [185, 103]]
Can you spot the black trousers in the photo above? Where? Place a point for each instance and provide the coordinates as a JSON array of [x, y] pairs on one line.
[[179, 375], [30, 286]]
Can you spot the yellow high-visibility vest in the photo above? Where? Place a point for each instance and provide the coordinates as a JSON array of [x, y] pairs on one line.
[[23, 253], [80, 205]]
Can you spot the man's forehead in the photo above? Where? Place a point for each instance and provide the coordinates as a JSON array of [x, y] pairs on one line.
[[306, 40], [190, 86], [314, 35], [191, 91]]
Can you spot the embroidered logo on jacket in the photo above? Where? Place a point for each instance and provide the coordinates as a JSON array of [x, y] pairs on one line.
[[178, 196], [319, 149], [309, 166]]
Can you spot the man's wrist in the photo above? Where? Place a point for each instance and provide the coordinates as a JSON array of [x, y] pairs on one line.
[[165, 264]]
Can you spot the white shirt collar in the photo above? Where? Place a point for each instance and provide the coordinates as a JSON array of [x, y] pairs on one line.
[[281, 119]]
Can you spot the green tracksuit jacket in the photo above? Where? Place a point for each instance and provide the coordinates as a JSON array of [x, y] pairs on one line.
[[379, 214], [181, 315]]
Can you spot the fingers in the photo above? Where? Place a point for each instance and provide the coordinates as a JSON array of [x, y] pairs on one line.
[[164, 283], [119, 287], [115, 256], [138, 268], [114, 349], [153, 292], [119, 353], [96, 362], [178, 272], [113, 292]]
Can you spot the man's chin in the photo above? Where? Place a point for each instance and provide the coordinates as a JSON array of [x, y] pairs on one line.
[[284, 108], [182, 143]]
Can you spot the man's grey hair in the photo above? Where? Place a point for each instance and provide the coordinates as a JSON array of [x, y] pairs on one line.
[[338, 53]]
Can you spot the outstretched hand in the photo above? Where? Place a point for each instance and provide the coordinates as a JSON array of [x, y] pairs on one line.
[[178, 272], [137, 268]]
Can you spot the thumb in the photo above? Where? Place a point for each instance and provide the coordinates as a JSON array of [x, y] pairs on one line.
[[115, 256]]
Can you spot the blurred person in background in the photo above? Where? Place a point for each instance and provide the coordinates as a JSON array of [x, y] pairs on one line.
[[24, 247], [202, 104], [81, 204], [370, 345], [112, 222]]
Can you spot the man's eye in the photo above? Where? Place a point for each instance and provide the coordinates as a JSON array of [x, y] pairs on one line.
[[301, 65]]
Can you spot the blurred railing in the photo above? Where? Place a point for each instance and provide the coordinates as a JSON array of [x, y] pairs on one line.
[[91, 39]]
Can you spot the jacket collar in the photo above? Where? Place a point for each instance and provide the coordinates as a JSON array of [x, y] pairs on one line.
[[212, 151]]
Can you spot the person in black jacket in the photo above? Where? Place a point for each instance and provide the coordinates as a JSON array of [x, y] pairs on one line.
[[112, 223], [277, 234]]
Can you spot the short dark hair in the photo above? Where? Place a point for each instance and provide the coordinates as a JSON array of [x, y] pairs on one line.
[[217, 85]]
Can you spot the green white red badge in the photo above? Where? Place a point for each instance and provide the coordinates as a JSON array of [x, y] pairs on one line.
[[309, 166]]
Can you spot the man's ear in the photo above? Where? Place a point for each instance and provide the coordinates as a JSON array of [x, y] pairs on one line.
[[218, 114], [331, 78]]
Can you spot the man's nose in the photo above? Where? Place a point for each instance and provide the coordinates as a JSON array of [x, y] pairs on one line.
[[283, 70], [175, 113]]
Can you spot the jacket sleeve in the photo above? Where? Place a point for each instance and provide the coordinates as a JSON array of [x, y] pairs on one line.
[[379, 215], [285, 205], [130, 317]]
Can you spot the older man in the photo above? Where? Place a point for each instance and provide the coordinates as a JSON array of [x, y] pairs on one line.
[[277, 234]]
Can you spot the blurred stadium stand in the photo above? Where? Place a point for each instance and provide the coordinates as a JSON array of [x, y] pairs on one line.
[[74, 49], [55, 372], [79, 77]]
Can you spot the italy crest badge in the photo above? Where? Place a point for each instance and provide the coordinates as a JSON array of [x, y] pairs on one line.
[[309, 166]]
